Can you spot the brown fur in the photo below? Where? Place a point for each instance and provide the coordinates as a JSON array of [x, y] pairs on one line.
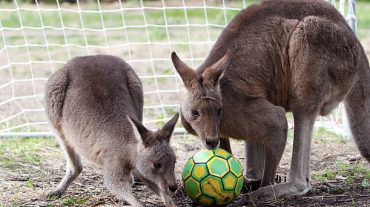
[[297, 55], [95, 105]]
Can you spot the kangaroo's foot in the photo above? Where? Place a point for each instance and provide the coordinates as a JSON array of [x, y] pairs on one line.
[[137, 178], [165, 195], [55, 194], [253, 185], [250, 185], [167, 199], [73, 169], [274, 192]]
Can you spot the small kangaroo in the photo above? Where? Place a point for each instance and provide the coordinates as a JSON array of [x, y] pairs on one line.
[[274, 57], [95, 105]]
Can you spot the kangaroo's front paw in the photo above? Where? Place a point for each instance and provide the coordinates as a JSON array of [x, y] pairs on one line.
[[167, 200], [170, 204], [250, 185], [240, 201], [55, 194]]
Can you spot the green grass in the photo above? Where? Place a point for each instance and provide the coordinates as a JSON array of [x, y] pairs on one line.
[[22, 150], [363, 18], [349, 172], [28, 164], [363, 15], [22, 165], [73, 201], [323, 135]]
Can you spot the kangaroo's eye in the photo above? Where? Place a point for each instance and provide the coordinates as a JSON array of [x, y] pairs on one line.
[[219, 111], [194, 113], [156, 165]]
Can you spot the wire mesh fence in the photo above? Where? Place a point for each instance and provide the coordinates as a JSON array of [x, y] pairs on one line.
[[37, 38]]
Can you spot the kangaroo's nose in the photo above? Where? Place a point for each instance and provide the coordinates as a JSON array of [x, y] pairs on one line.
[[212, 143], [173, 188]]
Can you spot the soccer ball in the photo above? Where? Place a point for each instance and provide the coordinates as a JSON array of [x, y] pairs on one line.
[[212, 177]]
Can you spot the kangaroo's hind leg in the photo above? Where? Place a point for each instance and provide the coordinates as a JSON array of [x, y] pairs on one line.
[[317, 86], [299, 176], [73, 168]]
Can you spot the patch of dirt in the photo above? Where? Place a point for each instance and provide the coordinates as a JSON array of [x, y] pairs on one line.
[[25, 184]]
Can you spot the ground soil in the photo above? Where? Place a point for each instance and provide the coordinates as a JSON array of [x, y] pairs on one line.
[[89, 187]]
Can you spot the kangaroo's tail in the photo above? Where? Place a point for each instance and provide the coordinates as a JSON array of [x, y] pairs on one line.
[[357, 105], [55, 93]]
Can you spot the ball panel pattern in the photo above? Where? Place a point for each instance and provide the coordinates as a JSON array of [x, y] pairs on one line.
[[239, 185], [206, 200], [199, 171], [212, 186], [193, 188], [235, 167], [229, 181], [203, 156], [187, 169], [213, 177], [222, 153], [218, 166]]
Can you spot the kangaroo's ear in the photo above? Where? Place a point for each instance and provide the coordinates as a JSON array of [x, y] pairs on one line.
[[213, 74], [141, 133], [167, 129], [186, 73]]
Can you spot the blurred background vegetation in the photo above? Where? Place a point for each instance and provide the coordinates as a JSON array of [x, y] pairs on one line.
[[362, 8]]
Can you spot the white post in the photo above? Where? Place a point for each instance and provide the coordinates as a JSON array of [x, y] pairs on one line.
[[351, 15], [352, 21]]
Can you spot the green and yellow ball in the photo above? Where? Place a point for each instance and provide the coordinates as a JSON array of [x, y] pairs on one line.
[[212, 177]]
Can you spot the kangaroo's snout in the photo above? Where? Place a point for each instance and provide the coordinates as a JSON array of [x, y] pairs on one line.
[[172, 188], [212, 143]]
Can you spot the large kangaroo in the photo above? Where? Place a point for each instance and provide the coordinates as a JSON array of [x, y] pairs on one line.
[[95, 104], [275, 57]]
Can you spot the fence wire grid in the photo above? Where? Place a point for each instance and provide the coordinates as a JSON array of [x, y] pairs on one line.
[[38, 39]]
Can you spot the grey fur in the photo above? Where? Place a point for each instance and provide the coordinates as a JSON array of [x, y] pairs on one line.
[[274, 57], [95, 105]]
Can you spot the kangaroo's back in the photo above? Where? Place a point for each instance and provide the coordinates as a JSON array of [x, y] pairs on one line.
[[260, 38], [88, 102], [253, 20], [103, 84]]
